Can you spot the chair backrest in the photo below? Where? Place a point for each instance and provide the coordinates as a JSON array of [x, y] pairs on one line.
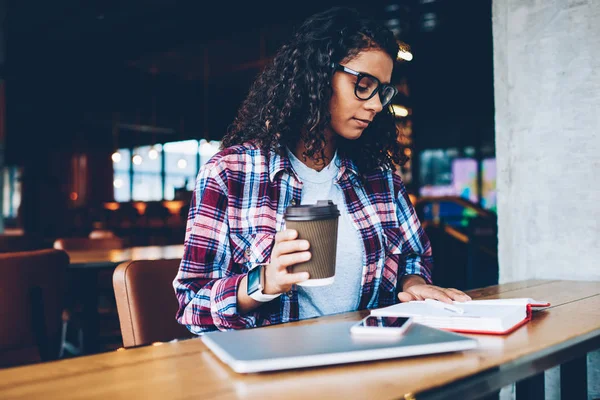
[[32, 286], [146, 301], [81, 243]]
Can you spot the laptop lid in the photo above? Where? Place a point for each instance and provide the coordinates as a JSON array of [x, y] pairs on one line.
[[270, 349]]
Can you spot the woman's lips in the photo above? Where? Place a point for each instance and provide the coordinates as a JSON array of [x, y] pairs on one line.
[[361, 122]]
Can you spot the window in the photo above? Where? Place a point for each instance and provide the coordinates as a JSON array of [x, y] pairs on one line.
[[489, 193], [208, 149], [121, 182], [181, 166], [172, 166], [11, 192], [436, 172], [147, 167]]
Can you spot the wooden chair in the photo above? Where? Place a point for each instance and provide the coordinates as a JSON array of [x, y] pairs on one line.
[[31, 304], [146, 301]]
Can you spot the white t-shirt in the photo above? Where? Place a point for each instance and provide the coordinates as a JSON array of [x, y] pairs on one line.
[[344, 294]]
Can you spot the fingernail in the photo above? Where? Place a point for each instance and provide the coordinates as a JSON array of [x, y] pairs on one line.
[[305, 245]]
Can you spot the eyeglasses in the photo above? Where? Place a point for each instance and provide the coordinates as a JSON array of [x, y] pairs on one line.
[[367, 86]]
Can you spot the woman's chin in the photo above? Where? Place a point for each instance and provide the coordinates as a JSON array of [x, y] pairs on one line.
[[352, 134]]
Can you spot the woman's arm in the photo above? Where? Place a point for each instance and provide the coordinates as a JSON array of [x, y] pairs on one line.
[[211, 288], [208, 282]]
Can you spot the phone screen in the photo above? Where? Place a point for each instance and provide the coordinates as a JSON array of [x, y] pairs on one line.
[[384, 322]]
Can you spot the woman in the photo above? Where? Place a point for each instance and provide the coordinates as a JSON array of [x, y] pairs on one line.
[[315, 126]]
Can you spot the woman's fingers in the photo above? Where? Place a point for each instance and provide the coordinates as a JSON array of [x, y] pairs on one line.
[[291, 246], [422, 292], [405, 296], [287, 260], [458, 295], [287, 251], [441, 296], [292, 279], [436, 292], [288, 234]]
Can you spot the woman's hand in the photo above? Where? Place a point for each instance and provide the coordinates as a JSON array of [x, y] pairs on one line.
[[286, 252], [415, 288]]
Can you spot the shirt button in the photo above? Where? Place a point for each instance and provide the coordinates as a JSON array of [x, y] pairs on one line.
[[293, 202], [248, 252], [290, 294]]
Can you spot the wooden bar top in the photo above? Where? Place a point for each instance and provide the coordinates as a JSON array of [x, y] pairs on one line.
[[187, 369], [108, 258]]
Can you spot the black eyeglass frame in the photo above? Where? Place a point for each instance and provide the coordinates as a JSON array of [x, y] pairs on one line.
[[359, 76]]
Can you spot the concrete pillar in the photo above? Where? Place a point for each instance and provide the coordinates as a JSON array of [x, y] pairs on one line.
[[547, 98]]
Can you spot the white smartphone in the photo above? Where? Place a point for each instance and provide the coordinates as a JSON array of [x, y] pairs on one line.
[[372, 325]]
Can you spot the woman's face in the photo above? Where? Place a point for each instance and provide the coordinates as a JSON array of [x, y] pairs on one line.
[[350, 116]]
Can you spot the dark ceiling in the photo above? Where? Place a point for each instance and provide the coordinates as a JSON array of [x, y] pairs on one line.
[[159, 35], [74, 68]]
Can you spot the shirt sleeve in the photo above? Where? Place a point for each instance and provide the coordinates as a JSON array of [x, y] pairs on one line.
[[416, 248], [207, 282]]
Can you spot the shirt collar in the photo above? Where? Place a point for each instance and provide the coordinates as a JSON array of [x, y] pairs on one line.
[[346, 165], [278, 163]]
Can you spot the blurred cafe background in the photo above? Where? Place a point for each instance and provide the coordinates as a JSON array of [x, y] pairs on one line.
[[109, 109]]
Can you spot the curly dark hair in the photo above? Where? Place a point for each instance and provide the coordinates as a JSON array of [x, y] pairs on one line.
[[289, 101]]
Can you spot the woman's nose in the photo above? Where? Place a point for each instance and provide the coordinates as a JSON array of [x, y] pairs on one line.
[[374, 103]]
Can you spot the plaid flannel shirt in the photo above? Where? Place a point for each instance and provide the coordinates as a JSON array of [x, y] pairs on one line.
[[238, 206]]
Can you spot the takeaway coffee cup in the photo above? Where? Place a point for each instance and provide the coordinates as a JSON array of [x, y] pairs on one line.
[[317, 223]]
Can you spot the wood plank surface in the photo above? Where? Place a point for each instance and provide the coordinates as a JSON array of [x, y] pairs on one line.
[[83, 258], [187, 369]]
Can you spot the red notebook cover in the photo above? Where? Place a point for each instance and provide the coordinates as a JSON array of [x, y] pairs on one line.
[[513, 328]]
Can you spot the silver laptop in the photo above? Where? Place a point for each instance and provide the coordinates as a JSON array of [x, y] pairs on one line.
[[270, 349]]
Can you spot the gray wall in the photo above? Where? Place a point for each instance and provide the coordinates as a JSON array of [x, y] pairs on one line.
[[547, 98]]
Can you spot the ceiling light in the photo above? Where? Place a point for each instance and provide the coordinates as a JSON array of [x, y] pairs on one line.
[[153, 154], [404, 52], [399, 111], [137, 159], [405, 55]]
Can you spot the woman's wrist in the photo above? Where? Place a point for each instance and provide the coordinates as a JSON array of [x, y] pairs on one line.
[[411, 280], [245, 303], [267, 284]]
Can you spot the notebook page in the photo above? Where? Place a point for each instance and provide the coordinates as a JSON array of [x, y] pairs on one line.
[[504, 302], [476, 316], [471, 309]]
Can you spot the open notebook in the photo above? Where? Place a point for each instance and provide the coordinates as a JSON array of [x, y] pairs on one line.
[[478, 316]]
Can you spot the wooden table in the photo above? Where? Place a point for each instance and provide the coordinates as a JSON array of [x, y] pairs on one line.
[[112, 258], [564, 333], [84, 268]]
